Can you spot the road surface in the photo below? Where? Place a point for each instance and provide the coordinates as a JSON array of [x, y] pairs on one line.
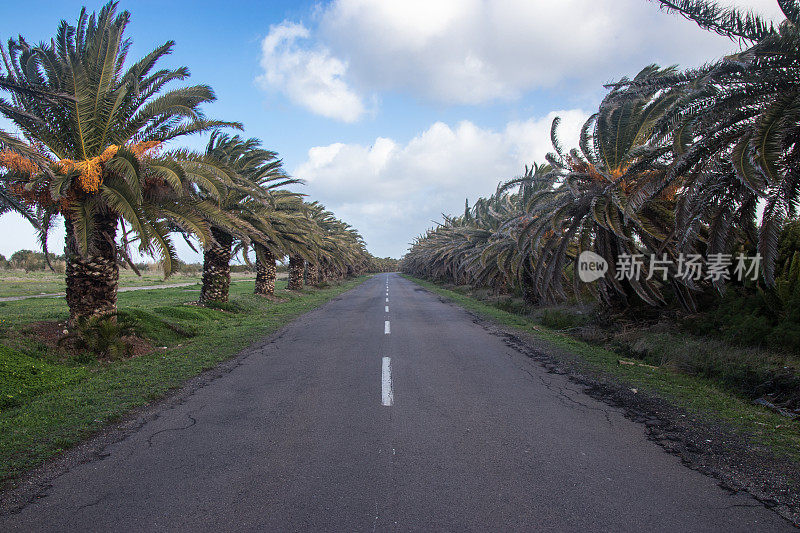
[[388, 410]]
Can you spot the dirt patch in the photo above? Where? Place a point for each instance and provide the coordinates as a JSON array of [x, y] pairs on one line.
[[52, 333], [138, 345], [46, 332]]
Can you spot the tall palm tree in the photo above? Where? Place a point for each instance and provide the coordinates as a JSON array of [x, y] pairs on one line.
[[284, 229], [740, 121], [257, 172], [297, 265], [596, 203], [290, 230], [100, 146]]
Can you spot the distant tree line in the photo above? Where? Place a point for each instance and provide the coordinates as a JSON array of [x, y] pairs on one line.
[[29, 261]]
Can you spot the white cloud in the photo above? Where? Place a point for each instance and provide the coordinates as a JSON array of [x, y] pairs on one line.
[[477, 51], [474, 51], [310, 77], [392, 191]]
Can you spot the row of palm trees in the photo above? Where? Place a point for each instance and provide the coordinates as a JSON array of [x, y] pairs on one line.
[[95, 149], [697, 162]]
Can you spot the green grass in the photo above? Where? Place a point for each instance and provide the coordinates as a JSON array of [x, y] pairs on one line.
[[23, 377], [701, 397], [19, 283], [51, 404]]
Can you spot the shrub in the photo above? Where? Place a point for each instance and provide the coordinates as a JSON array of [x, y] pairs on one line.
[[560, 319], [29, 260], [102, 337], [511, 305], [749, 317]]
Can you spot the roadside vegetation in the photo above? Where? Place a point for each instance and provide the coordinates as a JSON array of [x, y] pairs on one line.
[[684, 187]]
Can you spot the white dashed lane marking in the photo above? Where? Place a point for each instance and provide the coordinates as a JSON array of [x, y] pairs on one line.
[[387, 396]]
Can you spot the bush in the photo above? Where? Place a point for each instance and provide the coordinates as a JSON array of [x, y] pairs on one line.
[[749, 317], [560, 319], [28, 260], [102, 337], [511, 305]]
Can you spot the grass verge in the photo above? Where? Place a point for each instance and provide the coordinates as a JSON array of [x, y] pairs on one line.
[[19, 283], [50, 403], [701, 397]]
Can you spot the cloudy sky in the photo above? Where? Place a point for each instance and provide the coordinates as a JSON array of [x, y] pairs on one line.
[[395, 111]]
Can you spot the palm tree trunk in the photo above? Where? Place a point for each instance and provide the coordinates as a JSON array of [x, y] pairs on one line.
[[217, 268], [313, 274], [265, 271], [296, 268], [529, 293], [92, 280]]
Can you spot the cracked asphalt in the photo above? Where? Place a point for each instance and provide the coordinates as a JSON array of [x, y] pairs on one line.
[[295, 438]]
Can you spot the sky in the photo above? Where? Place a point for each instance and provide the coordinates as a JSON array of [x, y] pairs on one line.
[[394, 112]]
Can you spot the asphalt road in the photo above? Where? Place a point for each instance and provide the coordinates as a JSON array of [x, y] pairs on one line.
[[355, 418]]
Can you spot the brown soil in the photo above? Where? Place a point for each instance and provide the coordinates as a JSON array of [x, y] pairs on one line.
[[50, 333], [139, 346], [46, 332]]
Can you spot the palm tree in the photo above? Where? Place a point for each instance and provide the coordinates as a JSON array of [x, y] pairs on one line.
[[284, 229], [17, 156], [8, 200], [100, 146], [740, 119], [586, 199], [297, 266], [339, 250], [257, 172], [505, 260], [597, 203]]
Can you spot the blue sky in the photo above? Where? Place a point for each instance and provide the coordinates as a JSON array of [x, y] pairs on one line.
[[395, 111]]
